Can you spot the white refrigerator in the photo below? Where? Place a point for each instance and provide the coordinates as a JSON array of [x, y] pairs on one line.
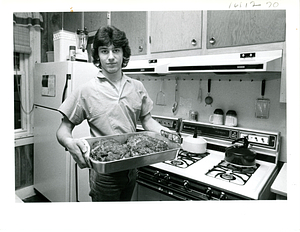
[[56, 175]]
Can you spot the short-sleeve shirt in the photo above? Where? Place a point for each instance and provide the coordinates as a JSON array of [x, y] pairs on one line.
[[107, 110]]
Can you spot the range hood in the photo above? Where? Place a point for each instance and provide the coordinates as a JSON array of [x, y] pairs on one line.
[[262, 61], [154, 66]]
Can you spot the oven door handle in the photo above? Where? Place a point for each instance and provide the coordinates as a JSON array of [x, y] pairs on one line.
[[165, 191]]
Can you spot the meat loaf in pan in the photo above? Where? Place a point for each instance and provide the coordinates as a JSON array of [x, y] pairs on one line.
[[108, 154]]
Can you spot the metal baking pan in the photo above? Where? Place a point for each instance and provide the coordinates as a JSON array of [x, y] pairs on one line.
[[131, 162]]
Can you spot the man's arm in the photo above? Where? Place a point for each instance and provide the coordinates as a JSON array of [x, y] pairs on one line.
[[150, 124], [76, 147]]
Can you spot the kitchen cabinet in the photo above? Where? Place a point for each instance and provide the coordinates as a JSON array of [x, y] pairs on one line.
[[94, 20], [246, 27], [134, 24], [175, 30], [78, 20], [279, 186], [72, 21]]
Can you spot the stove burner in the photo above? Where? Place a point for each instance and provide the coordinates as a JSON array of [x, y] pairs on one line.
[[228, 176], [185, 159], [232, 173], [177, 162]]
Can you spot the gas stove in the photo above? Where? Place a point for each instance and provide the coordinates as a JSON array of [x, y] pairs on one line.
[[208, 176]]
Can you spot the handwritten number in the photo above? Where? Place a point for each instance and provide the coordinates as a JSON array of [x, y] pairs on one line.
[[253, 4], [275, 4]]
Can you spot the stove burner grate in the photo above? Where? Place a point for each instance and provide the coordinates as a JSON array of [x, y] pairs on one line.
[[231, 173], [185, 159]]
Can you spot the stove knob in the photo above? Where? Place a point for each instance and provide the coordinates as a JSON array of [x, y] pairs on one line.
[[209, 192], [186, 184], [223, 196], [167, 177], [157, 174]]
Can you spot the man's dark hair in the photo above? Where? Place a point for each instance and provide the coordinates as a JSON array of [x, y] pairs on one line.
[[107, 36]]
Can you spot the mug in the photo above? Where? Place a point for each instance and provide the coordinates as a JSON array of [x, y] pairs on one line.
[[231, 118], [217, 117]]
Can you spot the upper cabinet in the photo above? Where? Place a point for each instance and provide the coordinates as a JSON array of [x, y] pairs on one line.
[[72, 21], [78, 20], [245, 27], [134, 24], [175, 30], [94, 20]]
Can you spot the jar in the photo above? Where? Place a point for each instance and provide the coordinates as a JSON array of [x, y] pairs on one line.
[[193, 115], [72, 53]]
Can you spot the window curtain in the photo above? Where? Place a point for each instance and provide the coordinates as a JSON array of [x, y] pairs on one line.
[[23, 22]]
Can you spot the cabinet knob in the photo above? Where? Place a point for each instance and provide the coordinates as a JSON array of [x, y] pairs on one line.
[[212, 40], [194, 42], [141, 48]]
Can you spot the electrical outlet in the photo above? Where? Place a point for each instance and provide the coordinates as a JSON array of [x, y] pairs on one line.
[[254, 138]]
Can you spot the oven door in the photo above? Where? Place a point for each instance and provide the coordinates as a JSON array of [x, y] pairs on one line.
[[151, 192], [159, 188], [155, 184]]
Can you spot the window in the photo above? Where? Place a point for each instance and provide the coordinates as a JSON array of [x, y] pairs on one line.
[[27, 28], [22, 105]]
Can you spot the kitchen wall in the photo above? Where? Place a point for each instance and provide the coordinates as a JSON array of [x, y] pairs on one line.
[[231, 91]]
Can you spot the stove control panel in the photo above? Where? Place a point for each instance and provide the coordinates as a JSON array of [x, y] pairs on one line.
[[256, 138], [261, 139]]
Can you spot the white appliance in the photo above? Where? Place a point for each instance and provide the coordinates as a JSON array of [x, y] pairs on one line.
[[207, 176], [56, 175], [261, 61]]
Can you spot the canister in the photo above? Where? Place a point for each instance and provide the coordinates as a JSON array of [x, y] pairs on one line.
[[72, 53], [193, 115]]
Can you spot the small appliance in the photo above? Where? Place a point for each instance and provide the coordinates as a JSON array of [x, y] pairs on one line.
[[81, 44]]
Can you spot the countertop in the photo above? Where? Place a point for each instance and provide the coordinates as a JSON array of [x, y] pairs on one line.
[[18, 199], [279, 185]]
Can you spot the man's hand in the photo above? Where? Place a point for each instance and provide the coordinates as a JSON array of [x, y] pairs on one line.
[[77, 148]]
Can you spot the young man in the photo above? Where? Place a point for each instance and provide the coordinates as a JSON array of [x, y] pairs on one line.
[[111, 103]]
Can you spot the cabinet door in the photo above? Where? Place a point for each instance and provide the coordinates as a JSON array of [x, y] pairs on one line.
[[134, 24], [249, 27], [72, 21], [175, 30], [94, 20]]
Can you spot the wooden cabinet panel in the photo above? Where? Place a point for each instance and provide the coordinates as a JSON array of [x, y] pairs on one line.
[[94, 20], [175, 30], [134, 24], [249, 27], [72, 21]]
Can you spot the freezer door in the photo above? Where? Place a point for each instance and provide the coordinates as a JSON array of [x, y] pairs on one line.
[[82, 73], [50, 80], [54, 81]]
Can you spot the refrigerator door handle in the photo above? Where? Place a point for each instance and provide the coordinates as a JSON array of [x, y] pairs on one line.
[[68, 77]]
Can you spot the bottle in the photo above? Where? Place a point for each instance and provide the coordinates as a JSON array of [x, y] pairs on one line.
[[72, 52]]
